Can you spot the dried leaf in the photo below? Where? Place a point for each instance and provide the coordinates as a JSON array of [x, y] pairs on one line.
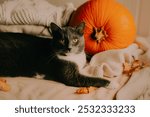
[[126, 68], [136, 63], [3, 80], [85, 90], [130, 68], [4, 86]]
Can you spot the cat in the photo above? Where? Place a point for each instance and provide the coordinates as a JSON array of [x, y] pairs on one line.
[[60, 58]]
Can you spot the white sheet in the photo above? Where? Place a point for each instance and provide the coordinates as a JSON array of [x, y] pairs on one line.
[[25, 88]]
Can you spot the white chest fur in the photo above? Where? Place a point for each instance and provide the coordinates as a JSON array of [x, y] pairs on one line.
[[79, 59]]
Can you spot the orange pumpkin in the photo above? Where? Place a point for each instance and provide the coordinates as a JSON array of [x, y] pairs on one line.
[[109, 25]]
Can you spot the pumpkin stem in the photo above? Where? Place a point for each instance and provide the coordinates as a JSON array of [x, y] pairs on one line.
[[99, 34]]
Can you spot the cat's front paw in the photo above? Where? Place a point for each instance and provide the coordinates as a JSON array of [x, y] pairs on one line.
[[105, 83], [102, 83]]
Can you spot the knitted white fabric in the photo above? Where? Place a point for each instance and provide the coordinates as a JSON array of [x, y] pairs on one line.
[[33, 12]]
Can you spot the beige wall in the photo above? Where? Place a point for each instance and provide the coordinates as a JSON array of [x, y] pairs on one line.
[[75, 2], [140, 10], [144, 18]]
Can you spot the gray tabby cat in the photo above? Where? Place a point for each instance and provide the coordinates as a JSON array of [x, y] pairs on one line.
[[60, 59]]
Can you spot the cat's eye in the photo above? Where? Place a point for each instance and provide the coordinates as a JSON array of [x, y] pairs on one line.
[[75, 40]]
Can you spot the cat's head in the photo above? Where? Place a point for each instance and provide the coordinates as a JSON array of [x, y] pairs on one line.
[[68, 39]]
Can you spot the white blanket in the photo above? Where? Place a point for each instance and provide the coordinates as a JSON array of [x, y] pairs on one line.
[[138, 86]]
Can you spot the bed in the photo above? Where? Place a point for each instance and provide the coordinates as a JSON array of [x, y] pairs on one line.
[[25, 17]]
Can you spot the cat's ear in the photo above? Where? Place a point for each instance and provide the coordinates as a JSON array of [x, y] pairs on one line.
[[80, 28], [55, 30]]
